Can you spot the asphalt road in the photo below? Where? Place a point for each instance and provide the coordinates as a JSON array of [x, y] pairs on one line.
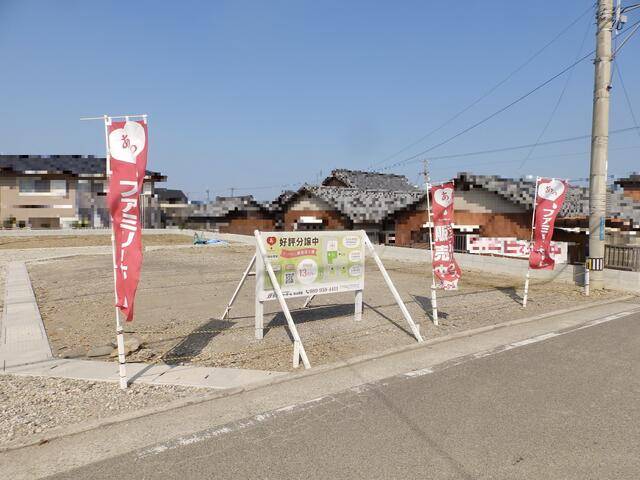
[[564, 408]]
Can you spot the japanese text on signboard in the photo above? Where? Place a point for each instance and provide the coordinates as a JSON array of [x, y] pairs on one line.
[[312, 263]]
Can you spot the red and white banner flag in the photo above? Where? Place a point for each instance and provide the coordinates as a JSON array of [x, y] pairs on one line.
[[550, 195], [128, 163], [445, 267]]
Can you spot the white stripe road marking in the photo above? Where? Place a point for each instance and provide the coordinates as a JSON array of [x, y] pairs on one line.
[[528, 341], [531, 340], [237, 426], [419, 373]]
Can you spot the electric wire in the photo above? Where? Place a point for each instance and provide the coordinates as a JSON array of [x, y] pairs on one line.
[[634, 28], [496, 113], [492, 115], [487, 93], [520, 147], [558, 102], [539, 157], [474, 154], [474, 164], [626, 95]]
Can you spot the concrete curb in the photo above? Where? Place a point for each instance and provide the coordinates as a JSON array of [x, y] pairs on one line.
[[25, 350], [293, 376]]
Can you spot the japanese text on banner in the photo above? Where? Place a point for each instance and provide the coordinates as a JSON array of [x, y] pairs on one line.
[[445, 267], [550, 195], [128, 163]]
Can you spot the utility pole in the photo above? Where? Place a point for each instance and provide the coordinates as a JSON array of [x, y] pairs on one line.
[[600, 138]]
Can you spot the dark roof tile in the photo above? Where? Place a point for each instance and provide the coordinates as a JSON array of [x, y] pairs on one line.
[[372, 180], [85, 165]]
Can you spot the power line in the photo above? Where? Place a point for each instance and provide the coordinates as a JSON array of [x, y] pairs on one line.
[[558, 102], [543, 157], [634, 28], [494, 114], [487, 93], [519, 147], [626, 95]]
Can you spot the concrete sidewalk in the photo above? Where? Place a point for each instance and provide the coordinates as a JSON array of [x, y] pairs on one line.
[[207, 377], [23, 338], [188, 422], [25, 350]]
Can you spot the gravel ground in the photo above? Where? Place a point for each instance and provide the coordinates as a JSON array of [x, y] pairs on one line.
[[183, 293], [33, 405], [181, 296], [51, 241]]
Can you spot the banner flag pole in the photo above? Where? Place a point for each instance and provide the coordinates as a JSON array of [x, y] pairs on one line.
[[434, 299], [119, 328], [533, 220], [299, 352]]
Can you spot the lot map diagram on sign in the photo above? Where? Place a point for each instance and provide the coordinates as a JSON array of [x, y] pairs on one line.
[[313, 263]]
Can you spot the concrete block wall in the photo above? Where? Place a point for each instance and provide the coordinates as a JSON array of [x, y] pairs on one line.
[[574, 274], [615, 279]]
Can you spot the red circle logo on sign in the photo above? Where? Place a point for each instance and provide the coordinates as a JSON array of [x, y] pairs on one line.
[[271, 240]]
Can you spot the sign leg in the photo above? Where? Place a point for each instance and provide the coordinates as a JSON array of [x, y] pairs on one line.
[[259, 320], [392, 288], [307, 302], [259, 305], [297, 345], [296, 354], [358, 306], [237, 290]]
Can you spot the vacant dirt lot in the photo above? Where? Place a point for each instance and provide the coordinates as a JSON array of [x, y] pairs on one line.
[[55, 241], [183, 293]]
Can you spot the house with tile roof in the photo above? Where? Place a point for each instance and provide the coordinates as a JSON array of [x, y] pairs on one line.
[[238, 214], [345, 208], [393, 211], [350, 200], [56, 191], [363, 180], [493, 206]]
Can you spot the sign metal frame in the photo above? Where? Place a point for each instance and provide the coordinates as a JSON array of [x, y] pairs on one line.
[[263, 265]]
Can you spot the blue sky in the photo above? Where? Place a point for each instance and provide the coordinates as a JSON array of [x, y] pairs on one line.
[[259, 94]]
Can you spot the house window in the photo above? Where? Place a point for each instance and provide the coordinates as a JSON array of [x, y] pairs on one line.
[[58, 187], [38, 186], [34, 185]]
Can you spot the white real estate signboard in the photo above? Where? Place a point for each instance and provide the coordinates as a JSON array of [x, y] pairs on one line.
[[306, 264], [312, 263]]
